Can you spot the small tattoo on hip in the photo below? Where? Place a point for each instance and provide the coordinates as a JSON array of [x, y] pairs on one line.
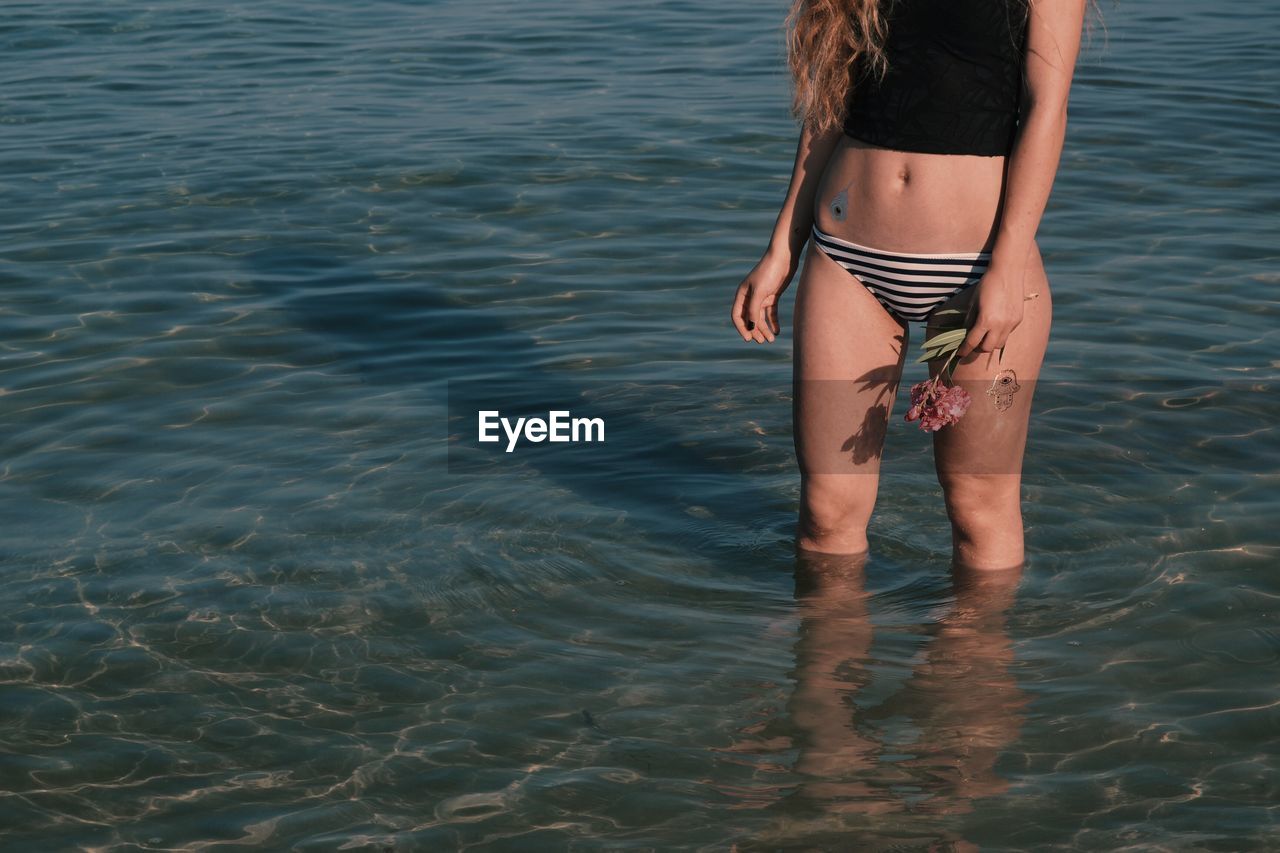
[[840, 205]]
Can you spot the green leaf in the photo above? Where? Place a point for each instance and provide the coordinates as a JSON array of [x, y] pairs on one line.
[[934, 355], [954, 335], [939, 352], [944, 342]]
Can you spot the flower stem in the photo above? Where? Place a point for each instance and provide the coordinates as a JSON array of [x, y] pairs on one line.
[[943, 371]]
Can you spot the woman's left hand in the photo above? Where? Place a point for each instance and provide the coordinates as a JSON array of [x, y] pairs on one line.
[[997, 312]]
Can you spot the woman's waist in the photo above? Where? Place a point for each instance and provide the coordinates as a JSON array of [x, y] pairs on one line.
[[909, 200]]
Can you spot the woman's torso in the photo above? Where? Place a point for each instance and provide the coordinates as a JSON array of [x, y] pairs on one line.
[[953, 86]]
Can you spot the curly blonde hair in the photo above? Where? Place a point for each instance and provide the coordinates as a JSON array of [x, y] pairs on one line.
[[826, 41], [829, 41]]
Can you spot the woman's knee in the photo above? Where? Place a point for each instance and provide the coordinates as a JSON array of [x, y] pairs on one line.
[[837, 505], [976, 502]]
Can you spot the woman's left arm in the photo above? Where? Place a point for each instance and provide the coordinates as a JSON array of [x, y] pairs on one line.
[[1053, 42]]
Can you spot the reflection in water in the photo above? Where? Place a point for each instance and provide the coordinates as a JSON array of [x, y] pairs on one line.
[[963, 698], [963, 707]]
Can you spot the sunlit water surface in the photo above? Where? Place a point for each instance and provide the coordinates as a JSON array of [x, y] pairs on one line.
[[248, 248]]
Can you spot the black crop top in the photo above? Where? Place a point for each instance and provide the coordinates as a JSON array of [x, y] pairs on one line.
[[954, 80]]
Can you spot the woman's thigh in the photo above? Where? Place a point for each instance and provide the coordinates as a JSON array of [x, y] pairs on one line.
[[848, 361], [988, 441]]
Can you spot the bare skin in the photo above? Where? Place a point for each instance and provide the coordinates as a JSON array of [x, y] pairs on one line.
[[850, 350]]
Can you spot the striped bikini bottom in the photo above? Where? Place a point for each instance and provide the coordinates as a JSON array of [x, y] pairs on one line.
[[909, 286]]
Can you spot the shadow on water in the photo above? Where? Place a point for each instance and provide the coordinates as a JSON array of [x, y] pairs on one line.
[[445, 352]]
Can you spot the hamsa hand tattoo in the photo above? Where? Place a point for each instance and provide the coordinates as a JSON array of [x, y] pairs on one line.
[[1002, 389]]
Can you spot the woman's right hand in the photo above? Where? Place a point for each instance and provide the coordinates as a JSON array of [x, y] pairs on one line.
[[755, 306]]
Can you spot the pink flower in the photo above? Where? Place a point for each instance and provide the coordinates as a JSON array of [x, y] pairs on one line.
[[936, 405]]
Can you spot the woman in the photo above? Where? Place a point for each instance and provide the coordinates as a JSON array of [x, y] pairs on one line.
[[931, 135]]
